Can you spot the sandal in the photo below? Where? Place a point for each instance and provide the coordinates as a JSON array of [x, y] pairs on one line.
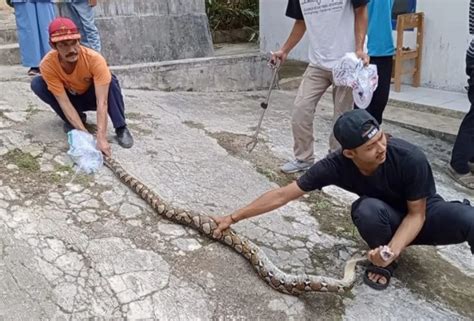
[[386, 272], [33, 71]]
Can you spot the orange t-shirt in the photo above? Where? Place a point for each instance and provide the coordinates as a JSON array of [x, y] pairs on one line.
[[91, 68]]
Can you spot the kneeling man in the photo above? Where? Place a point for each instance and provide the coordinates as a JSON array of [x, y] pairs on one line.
[[398, 204], [75, 79]]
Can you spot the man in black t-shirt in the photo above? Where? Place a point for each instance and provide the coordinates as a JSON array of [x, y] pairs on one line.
[[398, 204]]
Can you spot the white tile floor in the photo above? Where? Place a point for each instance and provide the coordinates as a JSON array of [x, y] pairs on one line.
[[432, 97]]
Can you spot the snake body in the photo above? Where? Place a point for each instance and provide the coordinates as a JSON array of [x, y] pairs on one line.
[[273, 276]]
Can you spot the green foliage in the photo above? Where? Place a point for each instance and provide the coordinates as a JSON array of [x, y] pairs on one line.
[[24, 161], [232, 14]]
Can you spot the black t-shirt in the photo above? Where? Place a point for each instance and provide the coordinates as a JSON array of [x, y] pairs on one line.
[[293, 10], [404, 176]]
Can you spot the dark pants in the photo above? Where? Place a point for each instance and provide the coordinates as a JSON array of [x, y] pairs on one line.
[[446, 222], [380, 97], [463, 150], [84, 102]]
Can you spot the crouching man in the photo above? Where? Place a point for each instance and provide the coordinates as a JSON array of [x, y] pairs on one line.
[[75, 79], [398, 204]]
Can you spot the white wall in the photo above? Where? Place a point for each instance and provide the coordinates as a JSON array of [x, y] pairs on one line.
[[445, 42]]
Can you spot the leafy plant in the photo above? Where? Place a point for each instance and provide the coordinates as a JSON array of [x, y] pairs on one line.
[[233, 14]]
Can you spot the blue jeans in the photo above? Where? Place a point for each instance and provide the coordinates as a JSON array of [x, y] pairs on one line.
[[32, 21], [463, 150], [84, 102], [83, 16], [446, 222]]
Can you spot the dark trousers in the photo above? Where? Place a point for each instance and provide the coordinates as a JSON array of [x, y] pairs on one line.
[[446, 222], [84, 102], [380, 97], [463, 150]]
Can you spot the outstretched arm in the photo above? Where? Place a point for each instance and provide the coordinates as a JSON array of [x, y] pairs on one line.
[[267, 202]]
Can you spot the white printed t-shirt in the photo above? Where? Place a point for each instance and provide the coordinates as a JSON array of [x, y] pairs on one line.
[[330, 27]]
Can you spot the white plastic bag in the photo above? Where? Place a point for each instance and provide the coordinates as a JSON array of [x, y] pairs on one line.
[[351, 72], [83, 151]]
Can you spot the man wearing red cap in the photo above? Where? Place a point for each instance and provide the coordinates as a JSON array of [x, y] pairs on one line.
[[75, 79]]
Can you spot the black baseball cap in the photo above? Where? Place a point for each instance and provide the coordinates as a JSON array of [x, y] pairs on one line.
[[354, 128]]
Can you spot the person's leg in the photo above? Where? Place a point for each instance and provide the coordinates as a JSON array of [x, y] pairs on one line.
[[45, 14], [40, 88], [380, 96], [343, 102], [116, 111], [27, 30], [116, 104], [463, 150], [447, 223], [375, 220], [315, 82], [88, 27]]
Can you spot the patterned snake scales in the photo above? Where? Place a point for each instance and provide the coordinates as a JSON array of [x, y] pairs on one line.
[[277, 279]]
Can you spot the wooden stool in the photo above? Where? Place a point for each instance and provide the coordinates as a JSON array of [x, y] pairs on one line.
[[404, 22]]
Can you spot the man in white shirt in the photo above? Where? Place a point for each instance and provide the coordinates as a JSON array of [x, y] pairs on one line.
[[334, 27]]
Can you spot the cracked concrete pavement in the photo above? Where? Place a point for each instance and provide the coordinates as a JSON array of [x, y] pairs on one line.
[[75, 246]]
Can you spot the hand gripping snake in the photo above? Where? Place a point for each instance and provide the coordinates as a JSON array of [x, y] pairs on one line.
[[277, 279]]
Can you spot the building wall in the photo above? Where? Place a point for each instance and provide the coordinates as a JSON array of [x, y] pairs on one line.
[[137, 31], [446, 39]]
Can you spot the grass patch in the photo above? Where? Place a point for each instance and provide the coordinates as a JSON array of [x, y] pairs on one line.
[[58, 178], [83, 179], [133, 115], [31, 110], [63, 168], [192, 124], [136, 128], [24, 161]]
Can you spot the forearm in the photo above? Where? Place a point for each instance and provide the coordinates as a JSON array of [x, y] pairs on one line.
[[299, 28], [102, 117], [361, 23], [406, 232], [102, 94]]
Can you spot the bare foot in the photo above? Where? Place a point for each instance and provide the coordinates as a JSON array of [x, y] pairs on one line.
[[377, 278]]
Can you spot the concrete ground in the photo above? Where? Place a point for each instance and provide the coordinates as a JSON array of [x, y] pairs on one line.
[[75, 246]]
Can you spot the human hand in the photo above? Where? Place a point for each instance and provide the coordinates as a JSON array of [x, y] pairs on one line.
[[363, 56], [278, 55], [223, 223], [104, 146], [376, 258], [92, 3]]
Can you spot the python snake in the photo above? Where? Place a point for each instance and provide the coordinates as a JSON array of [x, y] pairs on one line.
[[277, 279]]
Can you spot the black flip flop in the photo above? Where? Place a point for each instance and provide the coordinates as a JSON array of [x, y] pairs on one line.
[[386, 272]]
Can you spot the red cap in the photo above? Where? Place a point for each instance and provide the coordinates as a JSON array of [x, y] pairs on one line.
[[63, 29]]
